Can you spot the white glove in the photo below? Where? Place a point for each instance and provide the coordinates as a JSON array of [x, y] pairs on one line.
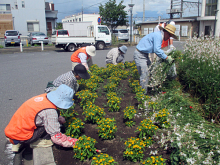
[[168, 51], [172, 47]]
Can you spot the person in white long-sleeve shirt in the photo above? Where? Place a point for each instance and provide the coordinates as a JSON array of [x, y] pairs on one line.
[[116, 55]]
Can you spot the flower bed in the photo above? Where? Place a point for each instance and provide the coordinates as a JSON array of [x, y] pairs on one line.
[[115, 120]]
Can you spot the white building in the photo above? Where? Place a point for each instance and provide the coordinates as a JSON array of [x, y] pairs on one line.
[[82, 18], [28, 16], [210, 17]]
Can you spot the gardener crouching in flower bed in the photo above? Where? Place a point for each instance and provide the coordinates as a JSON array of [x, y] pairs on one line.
[[151, 43], [36, 122], [70, 79], [116, 55]]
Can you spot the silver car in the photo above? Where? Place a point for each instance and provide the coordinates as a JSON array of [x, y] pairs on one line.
[[37, 38], [122, 34], [12, 37]]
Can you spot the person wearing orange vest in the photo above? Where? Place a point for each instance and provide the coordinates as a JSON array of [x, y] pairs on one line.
[[37, 123], [83, 56]]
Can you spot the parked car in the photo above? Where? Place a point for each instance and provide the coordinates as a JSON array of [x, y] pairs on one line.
[[12, 37], [37, 37], [60, 33], [122, 34]]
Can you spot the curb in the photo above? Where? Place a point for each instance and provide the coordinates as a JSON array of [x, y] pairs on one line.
[[43, 156]]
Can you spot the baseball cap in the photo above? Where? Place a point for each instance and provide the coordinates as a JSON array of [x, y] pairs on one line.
[[80, 70]]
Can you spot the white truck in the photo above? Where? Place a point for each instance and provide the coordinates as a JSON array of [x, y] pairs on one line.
[[78, 34]]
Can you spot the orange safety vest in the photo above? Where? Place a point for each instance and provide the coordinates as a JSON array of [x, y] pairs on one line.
[[75, 58], [22, 124], [164, 43]]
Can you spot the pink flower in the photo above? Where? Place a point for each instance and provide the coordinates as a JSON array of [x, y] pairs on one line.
[[190, 107]]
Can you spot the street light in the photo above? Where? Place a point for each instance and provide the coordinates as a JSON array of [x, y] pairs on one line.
[[216, 11], [131, 7]]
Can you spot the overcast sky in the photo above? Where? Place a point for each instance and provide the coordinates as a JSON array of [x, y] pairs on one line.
[[153, 8]]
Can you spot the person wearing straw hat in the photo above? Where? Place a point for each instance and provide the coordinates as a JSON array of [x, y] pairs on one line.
[[116, 55], [84, 56], [167, 46], [151, 43], [36, 122]]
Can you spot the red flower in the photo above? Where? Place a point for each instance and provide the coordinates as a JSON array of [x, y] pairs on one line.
[[190, 107], [163, 92]]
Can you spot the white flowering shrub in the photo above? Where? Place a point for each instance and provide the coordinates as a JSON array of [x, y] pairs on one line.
[[199, 72]]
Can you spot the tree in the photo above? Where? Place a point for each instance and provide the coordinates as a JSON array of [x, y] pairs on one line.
[[59, 25], [113, 15]]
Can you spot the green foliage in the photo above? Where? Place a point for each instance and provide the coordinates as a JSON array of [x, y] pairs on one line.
[[85, 96], [68, 114], [129, 114], [84, 148], [194, 141], [104, 159], [59, 25], [107, 128], [75, 128], [93, 112], [1, 46], [134, 149], [154, 160], [113, 15], [141, 98], [146, 128], [110, 87], [114, 104], [162, 117]]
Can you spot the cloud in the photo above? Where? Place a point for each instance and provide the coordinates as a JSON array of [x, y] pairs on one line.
[[71, 7], [153, 8]]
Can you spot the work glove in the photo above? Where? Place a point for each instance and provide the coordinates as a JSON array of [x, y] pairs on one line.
[[169, 59], [172, 47]]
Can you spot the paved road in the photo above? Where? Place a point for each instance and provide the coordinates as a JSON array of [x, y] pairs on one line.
[[24, 75]]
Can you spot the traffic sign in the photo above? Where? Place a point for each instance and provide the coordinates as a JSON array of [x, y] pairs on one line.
[[99, 20]]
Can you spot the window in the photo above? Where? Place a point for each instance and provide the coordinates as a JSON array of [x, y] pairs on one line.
[[73, 20], [22, 4], [211, 6], [16, 5], [5, 7], [123, 31], [207, 30], [33, 26], [103, 30], [79, 19]]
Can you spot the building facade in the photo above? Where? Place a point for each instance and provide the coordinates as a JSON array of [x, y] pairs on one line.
[[185, 28], [82, 18], [30, 15], [210, 18]]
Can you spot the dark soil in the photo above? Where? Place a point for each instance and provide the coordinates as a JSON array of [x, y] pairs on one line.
[[115, 147]]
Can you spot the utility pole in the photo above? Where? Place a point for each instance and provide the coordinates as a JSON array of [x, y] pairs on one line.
[[82, 10], [143, 10], [131, 7]]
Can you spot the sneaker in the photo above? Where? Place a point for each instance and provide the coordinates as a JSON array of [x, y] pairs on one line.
[[41, 143]]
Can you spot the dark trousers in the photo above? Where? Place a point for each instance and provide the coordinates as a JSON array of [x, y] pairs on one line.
[[38, 133]]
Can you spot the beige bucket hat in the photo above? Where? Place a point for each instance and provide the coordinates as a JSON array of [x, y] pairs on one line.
[[90, 50], [171, 29]]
